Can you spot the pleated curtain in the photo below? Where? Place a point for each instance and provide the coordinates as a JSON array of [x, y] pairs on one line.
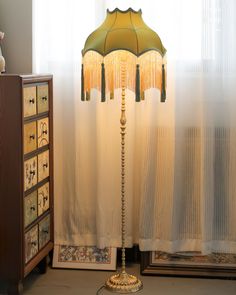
[[180, 155]]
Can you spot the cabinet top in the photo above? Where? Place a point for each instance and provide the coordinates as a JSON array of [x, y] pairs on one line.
[[27, 78]]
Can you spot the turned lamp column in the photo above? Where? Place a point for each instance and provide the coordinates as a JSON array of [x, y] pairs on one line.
[[122, 132], [123, 282]]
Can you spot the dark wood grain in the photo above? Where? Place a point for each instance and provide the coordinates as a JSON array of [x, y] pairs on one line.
[[11, 179], [51, 156], [15, 288], [12, 256], [35, 261]]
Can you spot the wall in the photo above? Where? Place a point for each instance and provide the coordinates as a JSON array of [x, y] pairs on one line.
[[16, 22]]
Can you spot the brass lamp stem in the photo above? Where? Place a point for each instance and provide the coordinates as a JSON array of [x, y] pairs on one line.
[[123, 282], [122, 132]]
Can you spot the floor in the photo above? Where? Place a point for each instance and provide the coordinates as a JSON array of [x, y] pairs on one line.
[[76, 282]]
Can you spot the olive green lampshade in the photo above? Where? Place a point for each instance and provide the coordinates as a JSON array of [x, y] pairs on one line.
[[123, 41]]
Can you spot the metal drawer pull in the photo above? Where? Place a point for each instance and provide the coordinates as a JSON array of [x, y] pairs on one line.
[[32, 172], [45, 198], [32, 136], [33, 243], [45, 231], [45, 165], [32, 100], [44, 98], [45, 132], [32, 208]]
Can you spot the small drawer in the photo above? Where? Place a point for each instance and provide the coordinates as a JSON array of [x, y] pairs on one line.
[[31, 243], [30, 137], [43, 132], [44, 231], [43, 199], [43, 165], [42, 98], [30, 173], [30, 208], [29, 97]]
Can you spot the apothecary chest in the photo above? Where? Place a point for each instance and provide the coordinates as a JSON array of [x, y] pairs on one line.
[[26, 175]]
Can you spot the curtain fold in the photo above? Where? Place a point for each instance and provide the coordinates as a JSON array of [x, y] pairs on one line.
[[180, 155]]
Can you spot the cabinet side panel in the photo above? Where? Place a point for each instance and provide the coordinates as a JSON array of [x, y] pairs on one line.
[[11, 182], [51, 155]]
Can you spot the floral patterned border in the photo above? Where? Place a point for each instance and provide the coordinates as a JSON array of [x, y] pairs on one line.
[[194, 258], [189, 264], [84, 257]]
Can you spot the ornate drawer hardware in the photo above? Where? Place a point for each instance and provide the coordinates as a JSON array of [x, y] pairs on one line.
[[44, 231], [31, 243], [43, 132], [42, 98], [30, 143], [29, 98], [30, 208], [43, 198], [43, 165], [30, 173]]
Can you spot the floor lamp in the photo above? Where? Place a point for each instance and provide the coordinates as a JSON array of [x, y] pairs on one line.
[[123, 53]]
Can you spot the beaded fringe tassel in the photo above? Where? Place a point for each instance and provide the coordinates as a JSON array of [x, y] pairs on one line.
[[137, 84], [103, 84], [104, 74], [82, 82], [163, 86]]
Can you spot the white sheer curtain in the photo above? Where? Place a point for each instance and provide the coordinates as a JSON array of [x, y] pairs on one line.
[[181, 155]]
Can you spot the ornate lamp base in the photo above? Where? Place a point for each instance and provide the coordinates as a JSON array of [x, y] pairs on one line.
[[123, 283]]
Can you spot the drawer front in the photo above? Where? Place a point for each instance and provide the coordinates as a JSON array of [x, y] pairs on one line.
[[44, 231], [30, 173], [30, 208], [43, 165], [43, 132], [31, 243], [42, 98], [30, 137], [43, 199], [29, 96]]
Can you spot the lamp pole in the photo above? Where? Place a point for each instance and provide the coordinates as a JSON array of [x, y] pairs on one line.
[[123, 282], [122, 132]]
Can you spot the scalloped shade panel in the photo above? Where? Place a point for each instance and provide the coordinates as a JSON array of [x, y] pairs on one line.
[[123, 40]]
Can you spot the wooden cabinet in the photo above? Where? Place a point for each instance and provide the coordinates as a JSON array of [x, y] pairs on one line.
[[26, 176]]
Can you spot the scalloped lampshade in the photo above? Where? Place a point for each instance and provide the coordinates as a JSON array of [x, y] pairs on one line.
[[123, 36]]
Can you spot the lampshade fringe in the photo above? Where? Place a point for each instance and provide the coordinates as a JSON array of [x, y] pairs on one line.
[[87, 95], [163, 86], [137, 84], [142, 95], [82, 82], [111, 94], [103, 84]]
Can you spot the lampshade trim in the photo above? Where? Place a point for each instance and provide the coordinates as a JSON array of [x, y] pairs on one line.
[[124, 11], [116, 49]]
